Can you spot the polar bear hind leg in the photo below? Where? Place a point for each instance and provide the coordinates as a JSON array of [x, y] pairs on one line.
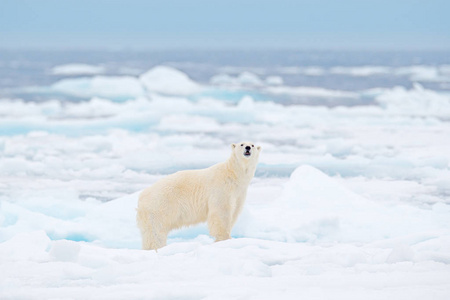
[[153, 236]]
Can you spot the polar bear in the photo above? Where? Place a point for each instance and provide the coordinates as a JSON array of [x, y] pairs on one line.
[[215, 194]]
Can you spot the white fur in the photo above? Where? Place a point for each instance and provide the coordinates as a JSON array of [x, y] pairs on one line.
[[215, 194]]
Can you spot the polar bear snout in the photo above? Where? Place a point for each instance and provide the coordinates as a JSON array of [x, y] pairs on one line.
[[247, 148], [247, 151]]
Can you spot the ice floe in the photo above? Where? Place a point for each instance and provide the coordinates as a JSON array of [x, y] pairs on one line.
[[77, 69], [168, 80], [347, 202]]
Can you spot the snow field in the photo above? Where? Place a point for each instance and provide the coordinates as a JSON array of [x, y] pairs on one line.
[[347, 202], [299, 241], [77, 69], [248, 268], [421, 73]]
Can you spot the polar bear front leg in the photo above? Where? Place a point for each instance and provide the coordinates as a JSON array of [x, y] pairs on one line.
[[219, 224]]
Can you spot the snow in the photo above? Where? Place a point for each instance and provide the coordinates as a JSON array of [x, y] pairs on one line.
[[415, 73], [308, 71], [243, 79], [347, 202], [310, 91], [274, 80], [169, 81], [311, 251], [101, 86], [160, 79], [77, 69], [417, 101], [425, 73], [360, 71]]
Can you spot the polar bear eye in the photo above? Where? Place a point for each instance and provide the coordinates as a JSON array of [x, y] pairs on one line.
[[253, 145], [242, 145]]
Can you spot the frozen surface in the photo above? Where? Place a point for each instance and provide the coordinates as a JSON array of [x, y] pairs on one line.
[[77, 69], [243, 79], [160, 79], [103, 86], [348, 202], [311, 91], [422, 73], [309, 236], [417, 101], [170, 81]]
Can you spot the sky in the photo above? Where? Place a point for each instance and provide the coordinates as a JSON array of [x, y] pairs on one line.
[[231, 24]]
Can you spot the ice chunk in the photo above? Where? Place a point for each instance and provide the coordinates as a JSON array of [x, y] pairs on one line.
[[309, 186], [183, 123], [425, 73], [65, 250], [101, 86], [308, 71], [243, 79], [313, 71], [27, 246], [316, 207], [361, 71], [400, 253], [169, 81], [222, 79], [313, 206], [248, 78], [416, 101], [77, 69], [311, 92], [20, 109], [274, 80]]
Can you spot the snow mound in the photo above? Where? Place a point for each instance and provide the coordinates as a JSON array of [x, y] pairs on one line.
[[274, 80], [170, 81], [182, 123], [316, 207], [425, 73], [422, 73], [77, 69], [313, 231], [361, 71], [66, 217], [100, 86], [310, 187], [243, 79], [416, 101], [64, 250], [310, 92], [308, 71], [233, 269], [161, 79]]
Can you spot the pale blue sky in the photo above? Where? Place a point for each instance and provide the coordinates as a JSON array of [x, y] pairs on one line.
[[303, 24]]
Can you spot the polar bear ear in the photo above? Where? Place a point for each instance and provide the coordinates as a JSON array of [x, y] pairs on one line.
[[233, 146], [259, 148]]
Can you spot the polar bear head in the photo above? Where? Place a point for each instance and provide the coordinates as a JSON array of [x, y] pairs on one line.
[[246, 150]]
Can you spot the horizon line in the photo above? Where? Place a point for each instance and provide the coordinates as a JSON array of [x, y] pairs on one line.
[[227, 49]]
